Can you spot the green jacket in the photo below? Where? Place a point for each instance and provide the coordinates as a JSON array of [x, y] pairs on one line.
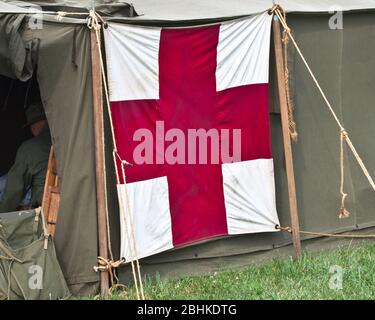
[[28, 171]]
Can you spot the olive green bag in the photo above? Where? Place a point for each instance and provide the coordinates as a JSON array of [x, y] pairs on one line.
[[28, 264]]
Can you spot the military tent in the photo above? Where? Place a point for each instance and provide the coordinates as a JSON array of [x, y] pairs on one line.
[[58, 55]]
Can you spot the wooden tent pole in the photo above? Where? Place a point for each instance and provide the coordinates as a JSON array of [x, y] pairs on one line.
[[286, 136], [99, 157]]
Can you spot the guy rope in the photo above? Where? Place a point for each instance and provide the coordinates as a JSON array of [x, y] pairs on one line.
[[325, 234]]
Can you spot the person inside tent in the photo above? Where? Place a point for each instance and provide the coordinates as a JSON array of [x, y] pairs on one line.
[[25, 180]]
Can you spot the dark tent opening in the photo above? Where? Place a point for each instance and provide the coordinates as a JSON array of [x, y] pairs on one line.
[[13, 100]]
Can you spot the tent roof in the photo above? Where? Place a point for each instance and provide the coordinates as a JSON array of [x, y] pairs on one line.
[[108, 7], [210, 9], [177, 10], [11, 8], [325, 5]]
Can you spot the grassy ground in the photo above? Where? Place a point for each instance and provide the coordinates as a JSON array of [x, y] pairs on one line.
[[305, 278]]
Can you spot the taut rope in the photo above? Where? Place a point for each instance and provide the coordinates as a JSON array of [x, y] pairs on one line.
[[324, 234]]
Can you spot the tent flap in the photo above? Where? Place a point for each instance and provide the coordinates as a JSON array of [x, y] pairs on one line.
[[66, 91]]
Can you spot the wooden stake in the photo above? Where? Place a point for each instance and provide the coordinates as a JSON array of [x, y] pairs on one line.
[[99, 157], [286, 136], [51, 194]]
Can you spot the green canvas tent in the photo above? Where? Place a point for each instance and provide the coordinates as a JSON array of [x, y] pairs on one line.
[[58, 56]]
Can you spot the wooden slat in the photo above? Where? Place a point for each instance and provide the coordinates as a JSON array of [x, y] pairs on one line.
[[53, 210], [51, 196], [54, 189], [99, 157], [50, 180], [286, 136]]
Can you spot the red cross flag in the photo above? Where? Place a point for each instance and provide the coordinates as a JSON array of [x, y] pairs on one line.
[[190, 113]]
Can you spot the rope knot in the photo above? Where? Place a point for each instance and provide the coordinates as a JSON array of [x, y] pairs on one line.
[[344, 133], [94, 20], [274, 8], [126, 163], [287, 229], [60, 15], [286, 33], [107, 265]]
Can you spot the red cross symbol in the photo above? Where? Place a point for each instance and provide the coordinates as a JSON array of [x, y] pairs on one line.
[[189, 100]]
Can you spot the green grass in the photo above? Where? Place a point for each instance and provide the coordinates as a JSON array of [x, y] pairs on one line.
[[305, 278]]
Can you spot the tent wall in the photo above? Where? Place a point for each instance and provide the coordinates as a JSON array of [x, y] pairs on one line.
[[344, 63], [64, 75], [343, 60]]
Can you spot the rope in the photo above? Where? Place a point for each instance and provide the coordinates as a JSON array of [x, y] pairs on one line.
[[131, 251], [343, 213], [278, 11], [131, 240], [9, 255], [130, 214], [11, 258], [292, 124], [135, 270], [323, 234], [109, 265], [94, 22], [39, 211], [61, 14]]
